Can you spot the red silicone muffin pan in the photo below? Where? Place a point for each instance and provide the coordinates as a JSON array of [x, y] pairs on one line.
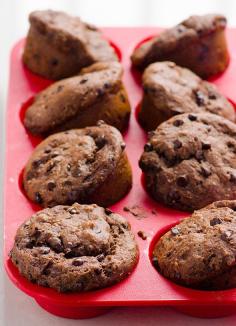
[[145, 286]]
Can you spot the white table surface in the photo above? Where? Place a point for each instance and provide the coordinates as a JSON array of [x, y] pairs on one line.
[[17, 309]]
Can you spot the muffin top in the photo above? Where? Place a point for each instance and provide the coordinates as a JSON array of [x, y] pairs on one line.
[[176, 90], [188, 31], [67, 33], [70, 166], [190, 161], [75, 248], [66, 99], [201, 248]]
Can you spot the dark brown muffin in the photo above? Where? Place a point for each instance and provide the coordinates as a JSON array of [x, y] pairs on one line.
[[190, 161], [197, 43], [59, 45], [97, 93], [200, 251], [86, 165], [75, 248], [170, 90]]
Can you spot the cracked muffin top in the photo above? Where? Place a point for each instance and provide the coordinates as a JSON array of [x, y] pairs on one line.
[[75, 248], [174, 39], [70, 166], [65, 100], [190, 161], [175, 90], [199, 252]]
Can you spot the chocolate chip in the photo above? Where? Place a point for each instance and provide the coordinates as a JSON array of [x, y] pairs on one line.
[[199, 155], [175, 231], [142, 235], [59, 88], [47, 151], [205, 172], [212, 96], [98, 271], [206, 146], [178, 123], [232, 178], [77, 262], [108, 211], [192, 117], [182, 181], [36, 163], [123, 145], [68, 167], [38, 198], [215, 221], [54, 62], [51, 185], [100, 257], [55, 154], [30, 244], [148, 147], [72, 210], [51, 165], [177, 144], [100, 92], [230, 145], [199, 98], [106, 85], [83, 81], [100, 142], [155, 262], [67, 183], [225, 236], [122, 97]]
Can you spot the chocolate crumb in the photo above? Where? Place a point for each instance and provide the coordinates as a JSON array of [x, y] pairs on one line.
[[178, 123], [136, 211], [215, 221], [142, 235]]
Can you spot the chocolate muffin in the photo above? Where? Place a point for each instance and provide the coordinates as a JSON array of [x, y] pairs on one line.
[[170, 90], [197, 43], [87, 165], [75, 248], [97, 93], [190, 161], [200, 251], [59, 45]]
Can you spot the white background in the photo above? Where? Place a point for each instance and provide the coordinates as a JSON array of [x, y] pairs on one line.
[[16, 308]]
